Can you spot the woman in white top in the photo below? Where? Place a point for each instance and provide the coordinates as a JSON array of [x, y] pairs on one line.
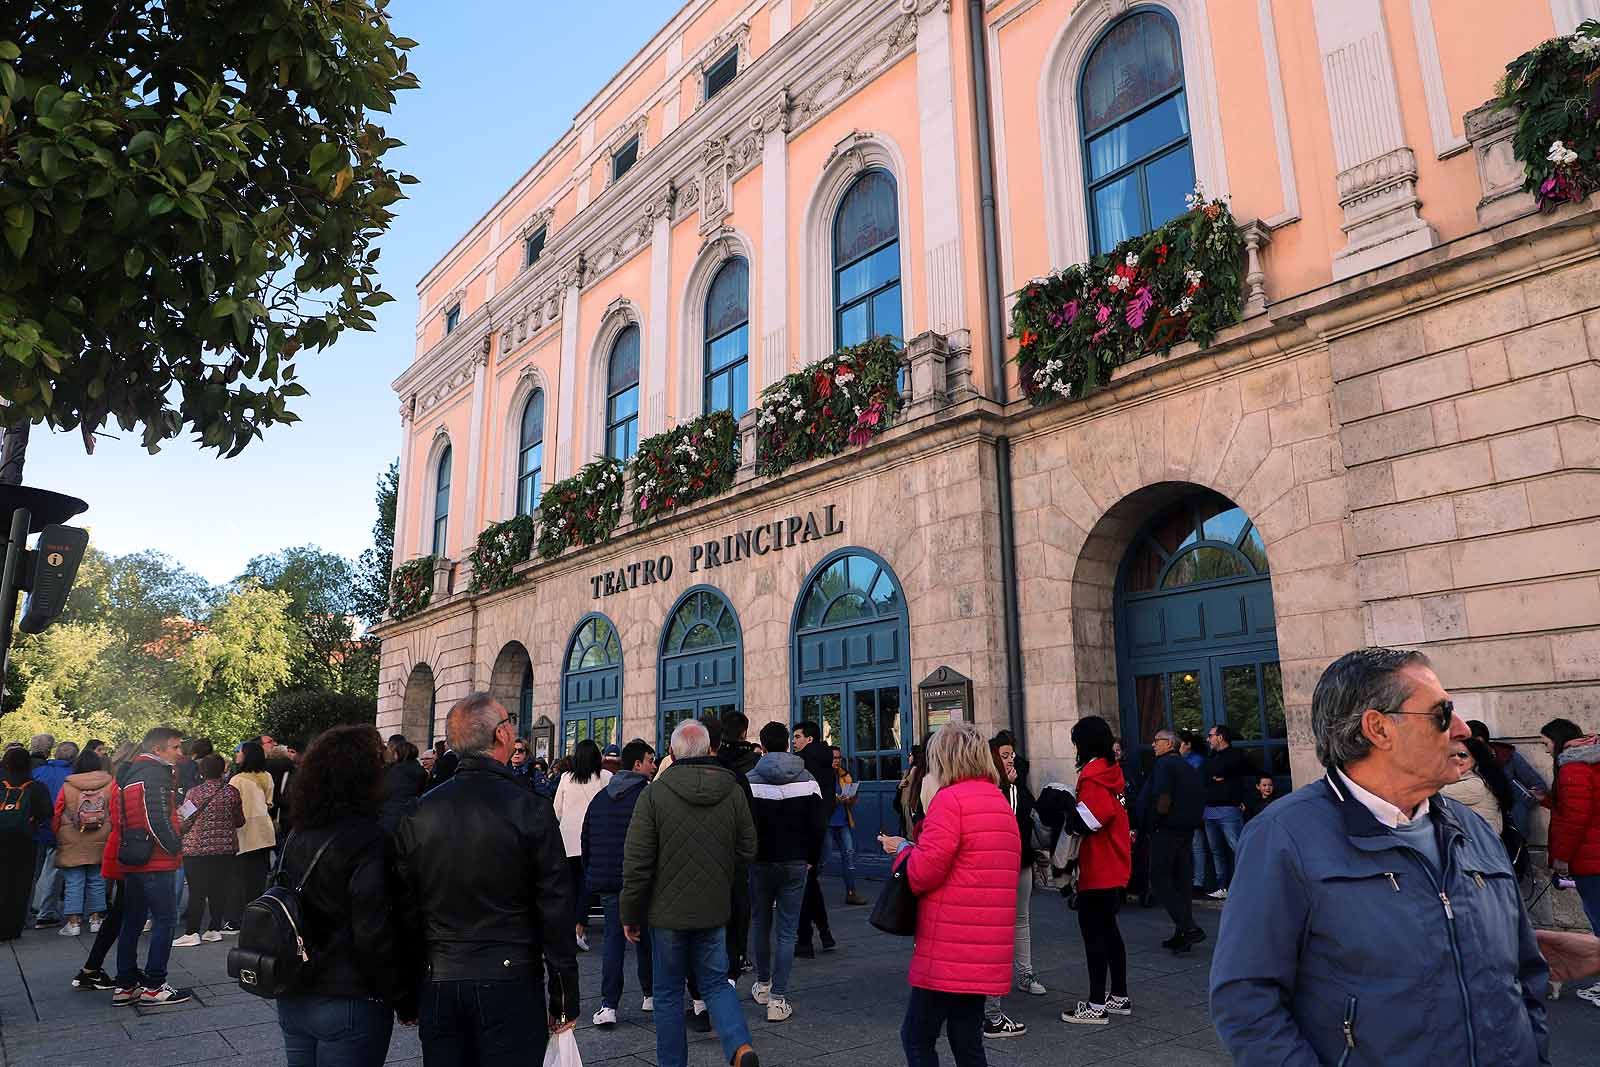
[[573, 794], [1483, 786], [256, 837]]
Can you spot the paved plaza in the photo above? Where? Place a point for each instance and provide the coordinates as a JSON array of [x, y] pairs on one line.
[[848, 1006]]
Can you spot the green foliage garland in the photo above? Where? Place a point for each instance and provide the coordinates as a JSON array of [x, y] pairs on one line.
[[411, 588], [582, 509], [687, 463], [500, 547], [1556, 90], [820, 410], [1181, 281]]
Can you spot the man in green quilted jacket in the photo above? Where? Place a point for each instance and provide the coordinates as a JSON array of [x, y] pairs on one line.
[[691, 831]]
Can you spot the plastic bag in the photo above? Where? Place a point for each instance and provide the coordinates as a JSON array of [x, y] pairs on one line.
[[562, 1051]]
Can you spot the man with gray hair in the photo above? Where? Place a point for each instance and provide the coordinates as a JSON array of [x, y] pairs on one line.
[[486, 899], [691, 831], [1373, 920], [1170, 809]]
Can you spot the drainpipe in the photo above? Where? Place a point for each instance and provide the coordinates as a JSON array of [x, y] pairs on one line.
[[994, 307]]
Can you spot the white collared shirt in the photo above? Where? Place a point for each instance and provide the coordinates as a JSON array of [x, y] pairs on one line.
[[1385, 812]]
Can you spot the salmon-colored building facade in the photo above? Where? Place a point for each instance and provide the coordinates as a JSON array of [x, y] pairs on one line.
[[1397, 444]]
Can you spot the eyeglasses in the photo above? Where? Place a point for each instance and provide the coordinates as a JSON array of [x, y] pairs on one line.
[[1441, 714], [1461, 755], [519, 752]]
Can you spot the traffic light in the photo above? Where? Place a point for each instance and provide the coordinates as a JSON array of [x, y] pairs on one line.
[[55, 566]]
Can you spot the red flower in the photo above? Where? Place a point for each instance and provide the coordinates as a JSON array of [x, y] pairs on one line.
[[1028, 338], [824, 384], [827, 411]]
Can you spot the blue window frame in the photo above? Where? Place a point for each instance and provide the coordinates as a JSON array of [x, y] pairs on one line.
[[727, 353], [530, 454], [441, 502], [1137, 152], [623, 159], [701, 661], [591, 684], [721, 73], [622, 395], [452, 318], [866, 261], [533, 247]]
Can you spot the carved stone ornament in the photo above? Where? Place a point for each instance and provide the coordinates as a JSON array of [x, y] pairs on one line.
[[864, 62], [850, 148], [721, 241], [687, 200], [717, 203], [773, 115], [734, 36], [537, 221], [485, 346], [408, 409]]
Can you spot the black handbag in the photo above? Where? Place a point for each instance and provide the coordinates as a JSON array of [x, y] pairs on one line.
[[895, 911]]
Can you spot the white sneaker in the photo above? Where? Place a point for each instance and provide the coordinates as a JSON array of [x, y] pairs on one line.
[[1087, 1014], [70, 929], [1116, 1005], [760, 991], [186, 941], [605, 1016], [211, 935], [778, 1010], [1027, 983], [1219, 894], [1591, 994], [94, 925], [149, 924], [699, 1007], [583, 943], [648, 1005]]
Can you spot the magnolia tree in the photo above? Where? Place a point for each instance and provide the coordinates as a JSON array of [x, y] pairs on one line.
[[190, 196]]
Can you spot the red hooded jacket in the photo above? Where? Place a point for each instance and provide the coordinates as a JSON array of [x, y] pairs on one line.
[[1105, 859], [145, 798], [1575, 813]]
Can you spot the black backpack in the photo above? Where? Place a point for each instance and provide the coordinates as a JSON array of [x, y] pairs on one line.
[[272, 955]]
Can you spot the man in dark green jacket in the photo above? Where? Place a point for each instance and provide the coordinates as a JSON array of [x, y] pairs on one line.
[[691, 831]]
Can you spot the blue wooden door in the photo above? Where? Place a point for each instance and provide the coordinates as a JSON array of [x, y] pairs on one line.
[[591, 685], [701, 663]]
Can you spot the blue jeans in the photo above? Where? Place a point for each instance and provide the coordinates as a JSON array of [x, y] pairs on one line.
[[85, 892], [1589, 892], [673, 954], [841, 842], [500, 1023], [1223, 827], [613, 950], [1201, 856], [146, 895], [960, 1015], [776, 887], [334, 1031], [46, 902]]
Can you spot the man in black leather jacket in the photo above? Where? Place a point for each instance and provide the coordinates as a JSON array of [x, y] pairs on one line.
[[486, 897]]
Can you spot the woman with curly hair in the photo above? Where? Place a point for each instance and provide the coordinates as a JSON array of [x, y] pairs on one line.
[[344, 1011]]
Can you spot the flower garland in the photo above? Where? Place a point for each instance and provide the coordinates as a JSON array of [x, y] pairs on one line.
[[411, 587], [1180, 281], [847, 399], [1556, 90], [687, 463], [499, 549], [582, 509]]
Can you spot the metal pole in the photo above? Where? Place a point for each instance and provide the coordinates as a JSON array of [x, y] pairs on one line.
[[16, 550]]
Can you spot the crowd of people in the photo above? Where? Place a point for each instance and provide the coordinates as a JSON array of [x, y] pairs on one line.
[[1392, 880]]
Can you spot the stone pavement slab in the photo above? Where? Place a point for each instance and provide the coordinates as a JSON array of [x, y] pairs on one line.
[[848, 1006]]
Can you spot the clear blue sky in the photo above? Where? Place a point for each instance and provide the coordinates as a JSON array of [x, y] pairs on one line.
[[501, 81]]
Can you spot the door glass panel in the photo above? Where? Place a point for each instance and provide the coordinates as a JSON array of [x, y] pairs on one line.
[[866, 716], [1241, 701], [1187, 710], [846, 608], [1272, 685], [1152, 708], [823, 709], [890, 768], [889, 719], [1279, 755], [1204, 564], [1226, 526]]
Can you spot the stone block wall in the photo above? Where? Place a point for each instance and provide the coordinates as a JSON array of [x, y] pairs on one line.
[[1471, 436]]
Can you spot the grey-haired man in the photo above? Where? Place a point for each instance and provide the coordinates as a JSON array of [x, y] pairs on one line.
[[1372, 920]]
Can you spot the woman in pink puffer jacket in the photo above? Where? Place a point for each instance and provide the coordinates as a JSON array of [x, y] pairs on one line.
[[963, 869]]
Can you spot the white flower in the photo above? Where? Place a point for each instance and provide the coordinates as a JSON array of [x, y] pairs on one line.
[[1196, 198], [1561, 154], [1132, 260], [1193, 277], [1588, 47], [845, 376]]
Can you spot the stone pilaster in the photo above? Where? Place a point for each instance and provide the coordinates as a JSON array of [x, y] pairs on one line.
[[1490, 130], [926, 354]]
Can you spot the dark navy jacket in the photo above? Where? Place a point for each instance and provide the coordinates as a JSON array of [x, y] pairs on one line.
[[1341, 945], [605, 830], [1172, 774]]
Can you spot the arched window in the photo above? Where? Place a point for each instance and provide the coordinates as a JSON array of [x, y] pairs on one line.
[[1205, 539], [441, 502], [622, 395], [701, 661], [530, 454], [1138, 159], [866, 261], [727, 371], [591, 684]]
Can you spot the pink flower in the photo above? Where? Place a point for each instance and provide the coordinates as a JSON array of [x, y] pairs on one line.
[[1139, 307], [866, 424], [1102, 314]]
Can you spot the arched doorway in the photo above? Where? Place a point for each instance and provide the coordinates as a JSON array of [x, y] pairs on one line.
[[511, 683], [591, 684], [850, 665], [416, 707], [1197, 639], [701, 663]]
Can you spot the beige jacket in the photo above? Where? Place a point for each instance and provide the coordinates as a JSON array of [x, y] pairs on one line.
[[74, 848], [255, 791], [1472, 792]]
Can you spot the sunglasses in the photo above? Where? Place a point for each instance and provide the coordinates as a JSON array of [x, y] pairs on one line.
[[1460, 755], [1441, 714]]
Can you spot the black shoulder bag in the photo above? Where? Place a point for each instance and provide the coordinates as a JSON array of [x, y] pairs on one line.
[[272, 955]]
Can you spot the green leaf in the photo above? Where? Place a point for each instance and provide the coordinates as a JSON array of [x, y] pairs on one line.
[[323, 156], [223, 307], [203, 183], [133, 262], [142, 141], [9, 50], [160, 204]]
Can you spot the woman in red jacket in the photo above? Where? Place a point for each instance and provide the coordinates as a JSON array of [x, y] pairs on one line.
[[1574, 805], [963, 869], [1104, 865]]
